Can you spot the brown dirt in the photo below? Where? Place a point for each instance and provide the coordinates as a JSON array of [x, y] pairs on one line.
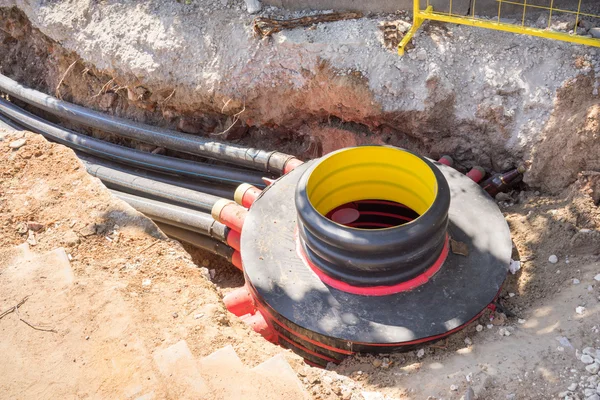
[[108, 323], [126, 321]]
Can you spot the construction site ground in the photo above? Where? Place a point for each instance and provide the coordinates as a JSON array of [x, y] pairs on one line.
[[106, 317], [128, 293]]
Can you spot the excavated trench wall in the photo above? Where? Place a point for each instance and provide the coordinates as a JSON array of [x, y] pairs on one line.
[[487, 98]]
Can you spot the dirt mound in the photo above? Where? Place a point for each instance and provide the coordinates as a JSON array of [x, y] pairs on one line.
[[130, 293]]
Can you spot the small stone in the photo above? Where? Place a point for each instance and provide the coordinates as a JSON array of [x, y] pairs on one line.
[[212, 273], [479, 328], [377, 363], [597, 278], [31, 239], [420, 353], [593, 368], [503, 197], [553, 259], [421, 55], [454, 388], [595, 32], [587, 359], [580, 310], [22, 228], [511, 295], [253, 6], [70, 239], [175, 315], [198, 316], [590, 351], [589, 392], [34, 226], [521, 321], [503, 332], [88, 230], [576, 281], [146, 282], [572, 387], [593, 397], [87, 338], [468, 341], [490, 326], [17, 144], [499, 319], [514, 266]]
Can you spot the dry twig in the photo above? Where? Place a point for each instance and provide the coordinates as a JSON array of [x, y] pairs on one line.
[[12, 309], [63, 78], [104, 88], [236, 118], [168, 98], [15, 309], [152, 244]]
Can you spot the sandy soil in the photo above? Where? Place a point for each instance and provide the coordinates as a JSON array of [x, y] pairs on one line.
[[132, 292], [109, 322]]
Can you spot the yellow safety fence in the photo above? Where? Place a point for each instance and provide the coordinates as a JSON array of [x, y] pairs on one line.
[[496, 23]]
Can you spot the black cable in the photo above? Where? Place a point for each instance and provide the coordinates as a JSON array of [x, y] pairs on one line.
[[181, 217], [268, 161], [197, 240], [105, 150], [123, 180]]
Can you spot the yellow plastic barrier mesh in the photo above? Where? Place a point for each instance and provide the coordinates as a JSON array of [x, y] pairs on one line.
[[577, 9]]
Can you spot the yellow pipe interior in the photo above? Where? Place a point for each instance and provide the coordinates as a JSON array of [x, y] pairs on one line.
[[372, 172]]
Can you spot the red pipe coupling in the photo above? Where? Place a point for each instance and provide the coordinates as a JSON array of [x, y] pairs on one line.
[[240, 302], [446, 160], [236, 260], [229, 213], [259, 324], [233, 239], [245, 194], [476, 174], [291, 165]]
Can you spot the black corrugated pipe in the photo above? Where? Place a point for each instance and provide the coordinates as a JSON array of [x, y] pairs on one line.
[[181, 217], [268, 161], [197, 240], [105, 150], [124, 181]]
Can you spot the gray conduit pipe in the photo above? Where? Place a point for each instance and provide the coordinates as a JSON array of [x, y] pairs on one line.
[[268, 161], [197, 240], [127, 182], [181, 217], [8, 125], [197, 186], [105, 150]]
